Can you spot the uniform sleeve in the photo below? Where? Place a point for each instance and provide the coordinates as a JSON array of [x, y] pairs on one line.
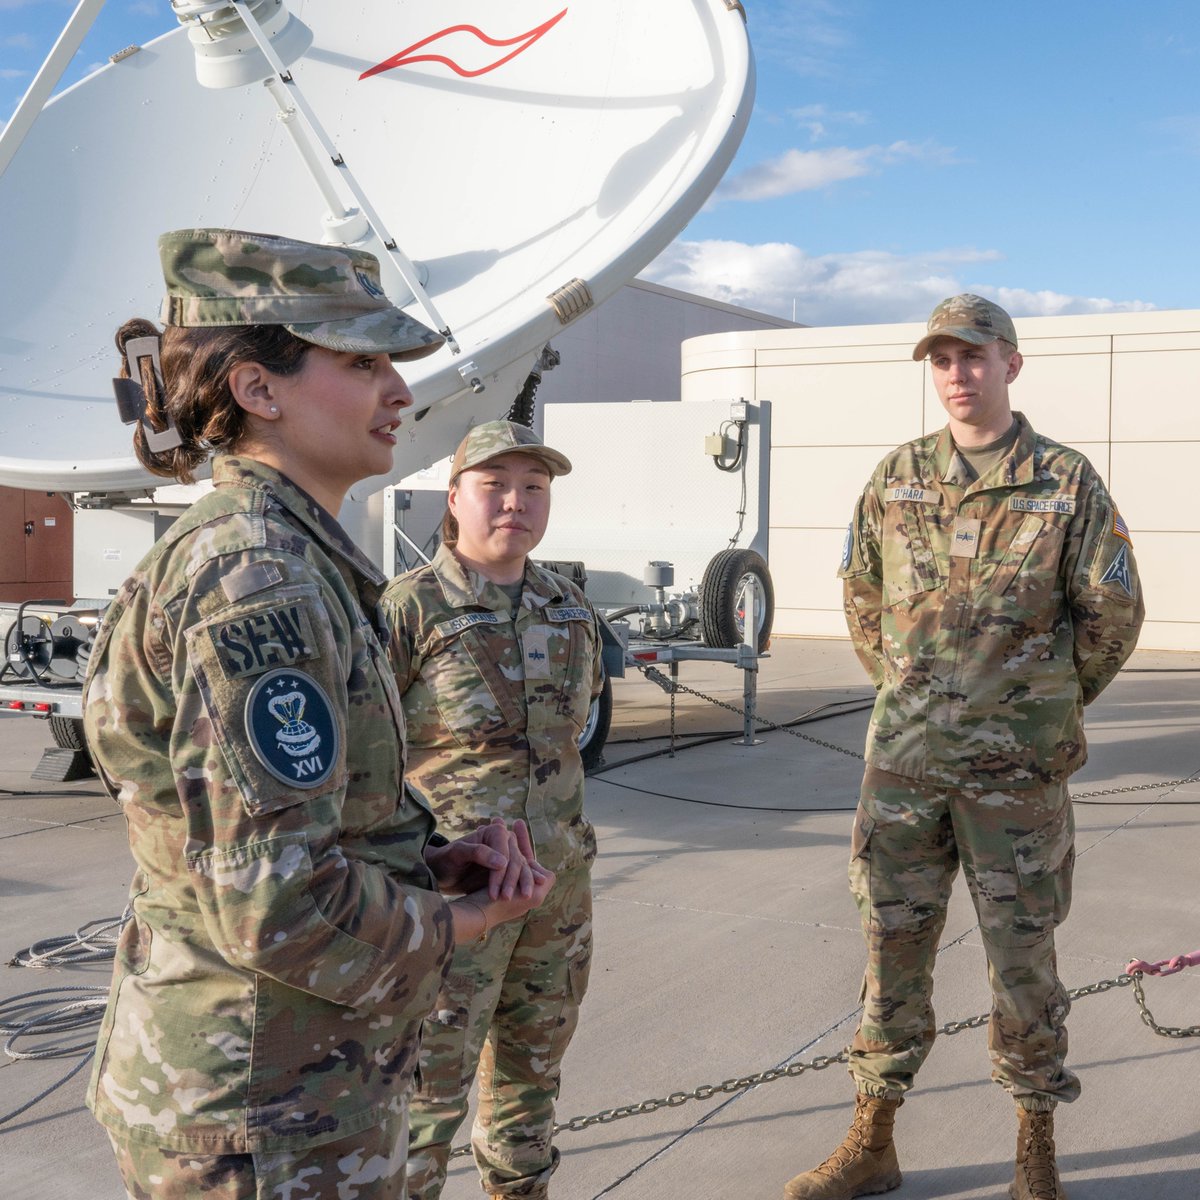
[[1103, 590], [401, 647], [861, 572], [259, 754]]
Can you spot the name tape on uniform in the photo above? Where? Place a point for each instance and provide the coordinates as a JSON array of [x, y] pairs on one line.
[[1046, 504], [567, 613], [275, 637], [458, 624], [291, 728], [920, 495]]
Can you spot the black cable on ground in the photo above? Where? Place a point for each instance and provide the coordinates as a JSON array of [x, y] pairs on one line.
[[811, 717]]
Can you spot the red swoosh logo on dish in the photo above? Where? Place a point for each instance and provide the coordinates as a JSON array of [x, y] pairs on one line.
[[409, 54]]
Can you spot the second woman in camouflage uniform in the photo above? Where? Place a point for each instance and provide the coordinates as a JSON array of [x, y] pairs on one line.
[[497, 661]]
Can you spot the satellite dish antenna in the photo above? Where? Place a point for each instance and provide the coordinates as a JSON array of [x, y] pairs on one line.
[[526, 160]]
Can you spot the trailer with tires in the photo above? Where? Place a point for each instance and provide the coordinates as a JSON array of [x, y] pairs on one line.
[[663, 522]]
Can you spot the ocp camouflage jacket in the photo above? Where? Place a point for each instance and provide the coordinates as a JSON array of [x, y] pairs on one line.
[[286, 937], [987, 613], [494, 705]]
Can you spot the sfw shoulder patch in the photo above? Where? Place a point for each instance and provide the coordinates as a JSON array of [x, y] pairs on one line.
[[291, 728], [458, 624], [1120, 529], [920, 495], [272, 637], [566, 612], [1118, 571], [1042, 504]]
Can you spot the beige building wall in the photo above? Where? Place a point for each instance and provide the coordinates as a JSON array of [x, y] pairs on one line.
[[1123, 388]]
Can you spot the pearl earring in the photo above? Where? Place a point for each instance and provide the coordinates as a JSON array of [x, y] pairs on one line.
[[274, 408]]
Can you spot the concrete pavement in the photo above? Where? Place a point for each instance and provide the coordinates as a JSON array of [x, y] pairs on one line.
[[727, 943]]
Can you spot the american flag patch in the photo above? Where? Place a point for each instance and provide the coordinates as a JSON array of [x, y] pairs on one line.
[[1120, 529]]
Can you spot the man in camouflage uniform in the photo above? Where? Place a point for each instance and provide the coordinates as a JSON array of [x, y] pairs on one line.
[[287, 936], [991, 593], [497, 663]]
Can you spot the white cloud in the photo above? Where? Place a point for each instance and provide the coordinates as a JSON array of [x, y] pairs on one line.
[[859, 287], [14, 73], [795, 171], [817, 119], [807, 170]]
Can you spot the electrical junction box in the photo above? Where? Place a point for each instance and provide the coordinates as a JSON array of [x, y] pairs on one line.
[[714, 445]]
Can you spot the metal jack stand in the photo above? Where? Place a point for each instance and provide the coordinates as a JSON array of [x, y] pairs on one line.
[[745, 656], [747, 659]]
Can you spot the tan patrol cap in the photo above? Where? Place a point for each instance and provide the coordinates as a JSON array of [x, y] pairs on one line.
[[968, 318], [328, 295], [494, 438]]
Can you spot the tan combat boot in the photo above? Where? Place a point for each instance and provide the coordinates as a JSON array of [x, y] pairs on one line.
[[863, 1165], [1037, 1172]]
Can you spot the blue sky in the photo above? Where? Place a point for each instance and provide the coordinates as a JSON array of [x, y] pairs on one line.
[[1047, 156]]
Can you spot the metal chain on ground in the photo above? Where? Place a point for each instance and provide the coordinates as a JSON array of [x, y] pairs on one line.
[[706, 1091], [672, 686], [1170, 1031]]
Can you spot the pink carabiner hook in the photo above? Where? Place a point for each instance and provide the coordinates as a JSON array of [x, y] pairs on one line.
[[1167, 966]]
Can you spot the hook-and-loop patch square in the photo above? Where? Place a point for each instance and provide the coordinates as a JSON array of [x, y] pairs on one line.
[[280, 636]]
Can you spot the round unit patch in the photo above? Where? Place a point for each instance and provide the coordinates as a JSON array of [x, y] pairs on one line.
[[291, 727]]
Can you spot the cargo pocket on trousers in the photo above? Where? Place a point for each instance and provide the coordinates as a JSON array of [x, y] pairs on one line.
[[1045, 861], [578, 970], [860, 860], [441, 1063]]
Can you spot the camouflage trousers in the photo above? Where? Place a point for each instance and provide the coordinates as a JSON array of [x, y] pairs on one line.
[[1017, 851], [366, 1166], [508, 1008]]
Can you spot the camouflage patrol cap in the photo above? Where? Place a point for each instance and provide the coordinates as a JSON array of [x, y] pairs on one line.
[[968, 318], [328, 295], [494, 438]]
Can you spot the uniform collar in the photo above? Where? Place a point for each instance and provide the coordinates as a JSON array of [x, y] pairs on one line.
[[943, 465], [468, 589], [230, 470]]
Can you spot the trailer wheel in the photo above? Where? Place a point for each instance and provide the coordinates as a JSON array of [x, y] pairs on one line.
[[67, 732], [723, 603], [595, 729]]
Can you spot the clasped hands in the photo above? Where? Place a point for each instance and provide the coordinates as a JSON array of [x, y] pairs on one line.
[[494, 869]]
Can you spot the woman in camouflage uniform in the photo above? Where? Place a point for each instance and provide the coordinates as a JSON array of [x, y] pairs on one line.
[[287, 934], [497, 661]]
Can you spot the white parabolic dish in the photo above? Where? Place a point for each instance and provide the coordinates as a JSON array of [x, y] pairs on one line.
[[508, 162]]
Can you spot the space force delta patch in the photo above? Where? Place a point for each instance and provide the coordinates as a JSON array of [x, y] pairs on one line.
[[291, 728], [1118, 571]]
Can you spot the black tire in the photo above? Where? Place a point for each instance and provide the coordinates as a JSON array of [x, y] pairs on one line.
[[721, 590], [67, 732], [595, 731]]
